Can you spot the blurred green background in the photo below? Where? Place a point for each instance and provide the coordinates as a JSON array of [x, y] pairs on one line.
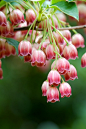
[[23, 107]]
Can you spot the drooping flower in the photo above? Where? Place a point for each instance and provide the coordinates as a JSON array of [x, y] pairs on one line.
[[38, 58], [54, 78], [3, 21], [44, 88], [72, 74], [62, 65], [16, 17], [65, 90], [83, 61], [25, 48], [52, 94]]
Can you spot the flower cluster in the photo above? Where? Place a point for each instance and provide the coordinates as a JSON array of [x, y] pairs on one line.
[[42, 42], [58, 68]]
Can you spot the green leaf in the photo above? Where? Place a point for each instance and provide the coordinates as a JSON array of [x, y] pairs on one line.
[[2, 3], [68, 8], [15, 3], [13, 42]]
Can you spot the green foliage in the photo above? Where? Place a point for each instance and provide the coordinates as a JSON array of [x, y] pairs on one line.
[[2, 3], [15, 4], [68, 8]]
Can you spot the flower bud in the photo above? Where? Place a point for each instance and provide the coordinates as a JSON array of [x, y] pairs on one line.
[[83, 61], [52, 94], [16, 17], [72, 74], [78, 40], [6, 30], [65, 90], [45, 87], [54, 78], [62, 65], [50, 54], [70, 52], [25, 48], [3, 21], [38, 58], [30, 16], [67, 34], [58, 38]]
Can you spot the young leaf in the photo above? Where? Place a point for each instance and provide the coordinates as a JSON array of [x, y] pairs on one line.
[[13, 42], [68, 8]]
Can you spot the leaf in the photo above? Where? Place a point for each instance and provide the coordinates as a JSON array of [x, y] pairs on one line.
[[68, 8], [2, 3], [15, 4], [13, 42]]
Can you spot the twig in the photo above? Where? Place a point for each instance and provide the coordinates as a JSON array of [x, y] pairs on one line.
[[26, 28], [39, 29], [74, 27]]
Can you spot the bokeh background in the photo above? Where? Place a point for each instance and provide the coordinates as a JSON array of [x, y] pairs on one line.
[[22, 105]]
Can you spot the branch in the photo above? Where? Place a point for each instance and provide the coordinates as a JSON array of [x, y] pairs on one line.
[[72, 28], [26, 28], [39, 29]]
